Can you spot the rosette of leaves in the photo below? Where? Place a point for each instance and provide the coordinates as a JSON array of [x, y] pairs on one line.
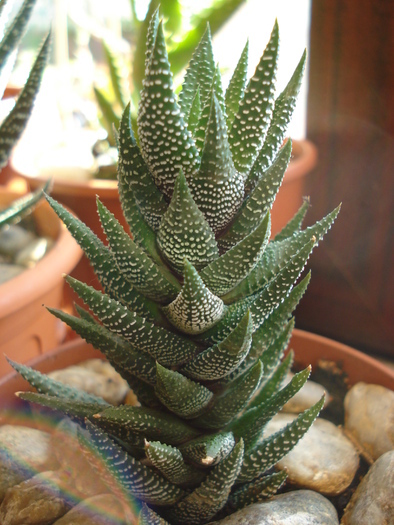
[[196, 307]]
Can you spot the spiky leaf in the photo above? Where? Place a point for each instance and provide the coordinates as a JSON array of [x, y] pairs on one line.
[[151, 424], [224, 273], [259, 490], [169, 461], [295, 223], [146, 276], [199, 75], [221, 359], [228, 405], [259, 203], [236, 87], [253, 117], [148, 517], [166, 143], [74, 408], [184, 232], [271, 449], [208, 450], [12, 126], [281, 115], [195, 309], [148, 198], [205, 501], [217, 188], [184, 397], [136, 478], [163, 345]]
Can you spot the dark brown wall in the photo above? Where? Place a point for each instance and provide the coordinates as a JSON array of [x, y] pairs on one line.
[[351, 120]]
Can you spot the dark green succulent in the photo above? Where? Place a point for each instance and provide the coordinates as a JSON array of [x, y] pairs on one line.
[[196, 312], [13, 125]]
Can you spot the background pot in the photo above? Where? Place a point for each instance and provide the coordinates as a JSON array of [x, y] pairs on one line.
[[26, 328], [309, 349]]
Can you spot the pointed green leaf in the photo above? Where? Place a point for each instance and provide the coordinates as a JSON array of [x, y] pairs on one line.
[[151, 424], [294, 225], [274, 353], [115, 76], [104, 264], [165, 346], [73, 408], [149, 199], [146, 276], [15, 31], [142, 233], [217, 188], [166, 143], [195, 112], [211, 496], [208, 450], [228, 405], [199, 74], [169, 461], [236, 87], [259, 203], [252, 120], [221, 359], [258, 490], [270, 329], [122, 355], [136, 478], [151, 34], [276, 291], [278, 254], [12, 126], [251, 423], [224, 273], [22, 206], [283, 110], [272, 383], [184, 232], [271, 449], [110, 118], [184, 397], [45, 385], [195, 309]]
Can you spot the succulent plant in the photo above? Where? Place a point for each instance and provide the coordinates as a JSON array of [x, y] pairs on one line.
[[13, 125], [196, 312]]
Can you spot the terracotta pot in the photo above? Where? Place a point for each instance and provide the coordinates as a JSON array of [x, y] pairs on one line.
[[27, 330], [309, 349]]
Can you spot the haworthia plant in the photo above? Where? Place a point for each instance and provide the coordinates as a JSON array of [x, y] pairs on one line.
[[197, 307]]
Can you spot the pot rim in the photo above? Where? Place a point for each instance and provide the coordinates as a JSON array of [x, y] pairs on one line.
[[317, 346], [34, 282]]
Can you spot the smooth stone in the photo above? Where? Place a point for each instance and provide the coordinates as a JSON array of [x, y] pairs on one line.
[[373, 501], [37, 501], [106, 369], [104, 509], [309, 394], [301, 507], [14, 238], [25, 447], [324, 460], [113, 391], [369, 418], [33, 252], [67, 449], [9, 271], [8, 478]]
